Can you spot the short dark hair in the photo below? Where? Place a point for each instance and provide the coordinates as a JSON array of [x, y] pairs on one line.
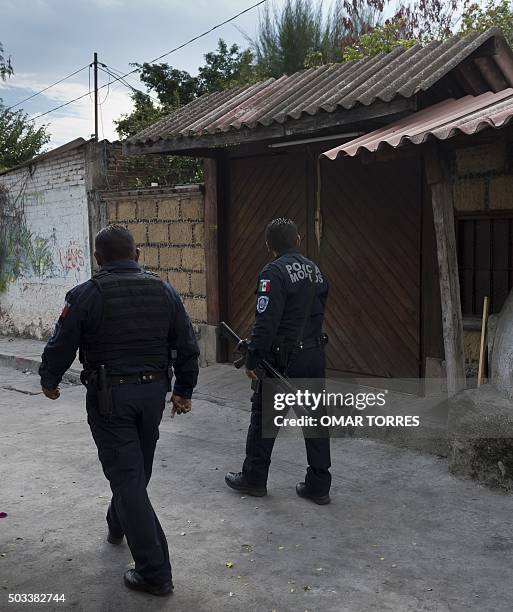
[[115, 242], [281, 234]]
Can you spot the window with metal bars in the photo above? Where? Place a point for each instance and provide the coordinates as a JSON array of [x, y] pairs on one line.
[[485, 259]]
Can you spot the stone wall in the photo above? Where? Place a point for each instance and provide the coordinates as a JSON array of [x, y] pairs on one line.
[[44, 248], [167, 224]]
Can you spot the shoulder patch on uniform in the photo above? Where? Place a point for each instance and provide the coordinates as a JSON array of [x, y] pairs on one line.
[[65, 310], [262, 303], [264, 286]]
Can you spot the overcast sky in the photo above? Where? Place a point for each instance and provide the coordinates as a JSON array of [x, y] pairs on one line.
[[48, 39]]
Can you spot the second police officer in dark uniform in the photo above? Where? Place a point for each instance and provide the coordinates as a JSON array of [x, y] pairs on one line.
[[291, 298], [127, 325]]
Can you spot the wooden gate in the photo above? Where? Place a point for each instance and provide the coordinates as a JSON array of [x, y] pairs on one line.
[[259, 190], [370, 252]]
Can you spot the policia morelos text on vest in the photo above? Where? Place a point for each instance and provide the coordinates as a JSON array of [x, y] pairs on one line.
[[290, 303], [132, 332]]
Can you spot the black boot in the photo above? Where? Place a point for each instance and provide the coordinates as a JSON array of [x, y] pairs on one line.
[[235, 480], [303, 491], [134, 580]]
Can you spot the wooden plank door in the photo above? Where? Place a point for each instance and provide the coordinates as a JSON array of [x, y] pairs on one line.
[[370, 252]]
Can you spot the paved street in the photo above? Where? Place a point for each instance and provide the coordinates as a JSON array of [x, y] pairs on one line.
[[400, 535]]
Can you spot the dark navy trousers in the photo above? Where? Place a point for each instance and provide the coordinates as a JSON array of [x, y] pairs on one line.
[[308, 364], [126, 442]]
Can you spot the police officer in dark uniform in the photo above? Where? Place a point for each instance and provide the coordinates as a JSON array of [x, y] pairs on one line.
[[291, 298], [129, 327]]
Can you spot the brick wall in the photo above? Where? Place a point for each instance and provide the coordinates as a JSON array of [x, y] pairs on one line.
[[44, 230], [167, 224]]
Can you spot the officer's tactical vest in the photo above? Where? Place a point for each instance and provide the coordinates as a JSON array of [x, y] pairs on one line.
[[137, 317]]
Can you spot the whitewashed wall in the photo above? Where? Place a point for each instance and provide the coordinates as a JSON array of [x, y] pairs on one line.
[[52, 201]]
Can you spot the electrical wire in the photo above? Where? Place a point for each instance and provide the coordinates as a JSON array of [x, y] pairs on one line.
[[110, 71], [123, 76], [47, 88]]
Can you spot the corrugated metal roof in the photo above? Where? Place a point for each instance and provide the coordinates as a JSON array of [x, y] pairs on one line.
[[400, 73], [449, 118]]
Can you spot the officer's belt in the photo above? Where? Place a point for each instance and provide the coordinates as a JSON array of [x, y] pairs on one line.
[[311, 343], [137, 379]]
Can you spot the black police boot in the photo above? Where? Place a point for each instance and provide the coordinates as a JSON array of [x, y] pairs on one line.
[[303, 491], [235, 480], [112, 539], [134, 580]]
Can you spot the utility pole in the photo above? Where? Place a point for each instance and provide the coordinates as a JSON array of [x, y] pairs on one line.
[[95, 71]]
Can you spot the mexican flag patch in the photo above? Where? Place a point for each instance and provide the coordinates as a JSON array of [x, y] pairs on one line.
[[264, 286]]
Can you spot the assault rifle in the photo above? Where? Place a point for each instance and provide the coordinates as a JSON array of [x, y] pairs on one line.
[[242, 348]]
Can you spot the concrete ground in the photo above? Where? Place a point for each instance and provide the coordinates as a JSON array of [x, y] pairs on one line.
[[400, 535]]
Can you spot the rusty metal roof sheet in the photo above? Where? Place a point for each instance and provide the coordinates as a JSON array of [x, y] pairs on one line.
[[400, 73], [444, 120]]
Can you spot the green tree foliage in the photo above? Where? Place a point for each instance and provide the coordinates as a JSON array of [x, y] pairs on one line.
[[225, 67], [6, 68], [476, 18], [297, 34], [20, 139], [381, 39]]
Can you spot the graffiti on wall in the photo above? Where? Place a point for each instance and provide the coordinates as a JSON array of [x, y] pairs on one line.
[[72, 257]]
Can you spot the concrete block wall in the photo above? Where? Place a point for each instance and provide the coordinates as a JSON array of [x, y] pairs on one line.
[[167, 224], [483, 178], [44, 223]]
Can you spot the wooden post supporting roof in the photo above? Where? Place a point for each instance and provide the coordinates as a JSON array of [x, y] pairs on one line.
[[211, 240], [440, 185]]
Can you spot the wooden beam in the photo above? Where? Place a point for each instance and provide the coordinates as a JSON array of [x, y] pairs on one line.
[[211, 240], [443, 217]]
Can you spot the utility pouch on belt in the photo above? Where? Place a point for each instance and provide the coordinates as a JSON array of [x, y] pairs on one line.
[[104, 392], [280, 352]]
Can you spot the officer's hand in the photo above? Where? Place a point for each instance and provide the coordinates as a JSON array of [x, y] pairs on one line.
[[52, 394], [180, 405], [251, 374]]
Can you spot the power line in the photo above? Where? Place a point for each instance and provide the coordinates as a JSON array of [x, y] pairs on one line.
[[123, 76], [47, 88], [116, 73]]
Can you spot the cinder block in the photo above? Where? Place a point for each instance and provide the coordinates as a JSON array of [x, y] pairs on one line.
[[126, 210], [192, 208], [193, 258], [158, 233], [198, 232], [180, 233], [198, 283], [147, 209], [169, 257], [482, 158], [179, 280], [138, 231], [150, 257], [469, 194], [169, 209], [112, 212], [501, 192], [196, 309]]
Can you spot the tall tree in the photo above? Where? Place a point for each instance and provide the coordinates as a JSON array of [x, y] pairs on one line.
[[223, 68], [20, 139], [476, 17], [6, 68]]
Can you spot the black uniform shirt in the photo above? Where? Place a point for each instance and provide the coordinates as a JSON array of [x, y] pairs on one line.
[[82, 314], [284, 293]]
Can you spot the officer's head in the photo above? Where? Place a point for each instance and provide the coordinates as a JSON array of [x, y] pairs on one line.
[[113, 243], [281, 234]]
